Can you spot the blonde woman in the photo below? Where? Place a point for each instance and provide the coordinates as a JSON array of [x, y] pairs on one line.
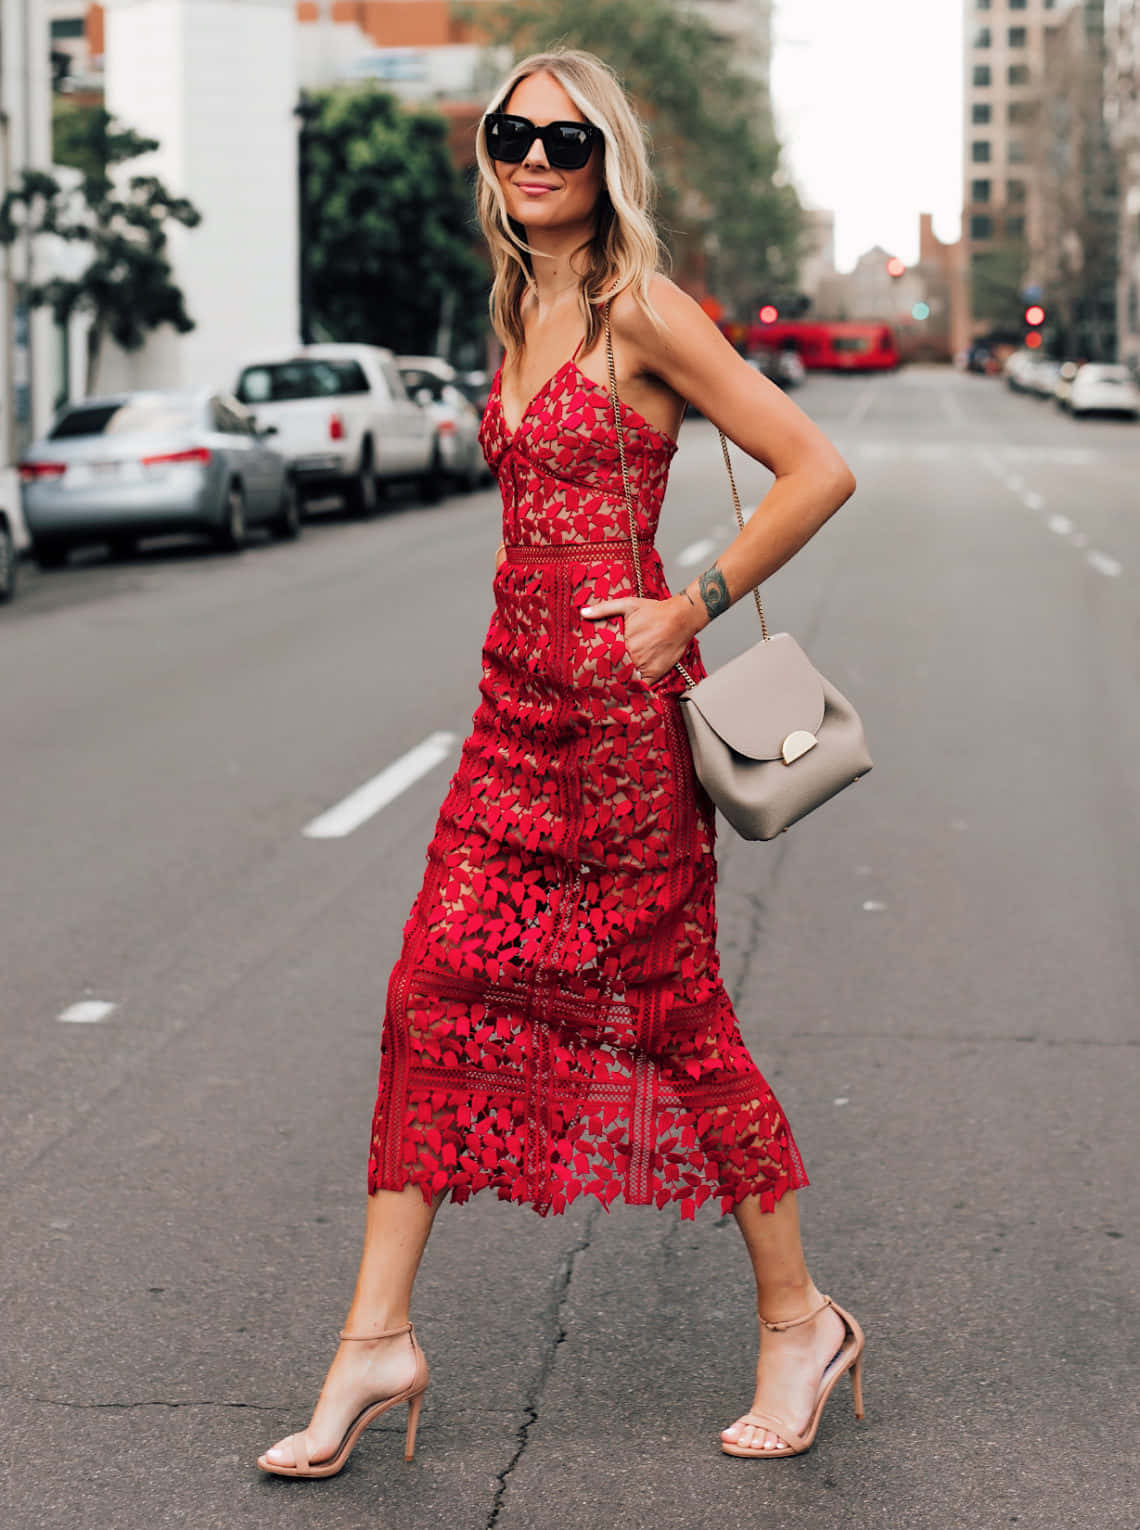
[[556, 1025]]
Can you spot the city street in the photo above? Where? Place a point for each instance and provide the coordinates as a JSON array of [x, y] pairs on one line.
[[939, 973]]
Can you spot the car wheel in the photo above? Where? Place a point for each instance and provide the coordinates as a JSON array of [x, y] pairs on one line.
[[432, 483], [230, 535], [49, 554], [286, 524], [9, 565], [362, 494]]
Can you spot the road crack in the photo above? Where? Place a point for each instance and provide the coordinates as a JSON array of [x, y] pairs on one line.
[[556, 1336]]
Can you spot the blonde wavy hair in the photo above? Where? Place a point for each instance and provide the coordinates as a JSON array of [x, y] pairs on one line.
[[624, 251]]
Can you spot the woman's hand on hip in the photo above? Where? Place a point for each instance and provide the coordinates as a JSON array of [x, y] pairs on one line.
[[657, 632]]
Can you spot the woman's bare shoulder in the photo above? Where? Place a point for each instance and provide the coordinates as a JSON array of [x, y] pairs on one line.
[[680, 321]]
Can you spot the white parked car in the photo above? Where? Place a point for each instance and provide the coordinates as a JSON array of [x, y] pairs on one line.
[[1043, 377], [344, 421], [1064, 384], [1105, 389], [433, 384]]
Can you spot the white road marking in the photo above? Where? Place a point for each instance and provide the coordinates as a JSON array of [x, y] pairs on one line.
[[1061, 525], [87, 1012], [1104, 564], [842, 1100], [862, 407], [696, 552], [872, 906], [1032, 501], [367, 800]]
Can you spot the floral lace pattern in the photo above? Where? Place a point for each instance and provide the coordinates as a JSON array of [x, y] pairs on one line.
[[556, 1023]]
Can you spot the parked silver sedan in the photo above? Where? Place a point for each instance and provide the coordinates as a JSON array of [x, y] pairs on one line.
[[147, 464]]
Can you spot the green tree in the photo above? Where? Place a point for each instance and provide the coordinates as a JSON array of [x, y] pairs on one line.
[[390, 247], [120, 221], [715, 155]]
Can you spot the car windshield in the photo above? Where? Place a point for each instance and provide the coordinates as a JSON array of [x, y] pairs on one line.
[[306, 377], [132, 416]]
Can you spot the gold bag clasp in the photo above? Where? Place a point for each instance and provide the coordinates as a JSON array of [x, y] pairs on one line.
[[796, 744]]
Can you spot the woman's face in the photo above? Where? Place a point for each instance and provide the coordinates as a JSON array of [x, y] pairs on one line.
[[536, 195]]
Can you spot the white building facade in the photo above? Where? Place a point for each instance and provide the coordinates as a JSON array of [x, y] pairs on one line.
[[215, 82]]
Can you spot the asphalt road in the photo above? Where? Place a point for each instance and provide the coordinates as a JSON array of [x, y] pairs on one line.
[[938, 971]]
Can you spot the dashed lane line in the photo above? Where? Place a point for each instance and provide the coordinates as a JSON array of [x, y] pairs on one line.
[[696, 552], [367, 800], [1104, 564], [86, 1012]]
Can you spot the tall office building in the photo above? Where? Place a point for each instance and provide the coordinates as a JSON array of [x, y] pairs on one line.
[[1003, 222]]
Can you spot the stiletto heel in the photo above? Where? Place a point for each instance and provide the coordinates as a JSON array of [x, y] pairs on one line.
[[848, 1357], [857, 1384], [414, 1406], [413, 1395]]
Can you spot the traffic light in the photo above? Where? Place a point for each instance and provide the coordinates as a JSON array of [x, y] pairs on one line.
[[896, 267], [1034, 319]]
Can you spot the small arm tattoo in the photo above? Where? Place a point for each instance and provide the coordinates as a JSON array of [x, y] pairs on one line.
[[714, 592]]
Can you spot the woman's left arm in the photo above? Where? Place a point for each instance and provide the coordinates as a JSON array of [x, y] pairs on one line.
[[812, 480]]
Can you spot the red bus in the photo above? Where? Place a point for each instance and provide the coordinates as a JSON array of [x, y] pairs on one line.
[[840, 345]]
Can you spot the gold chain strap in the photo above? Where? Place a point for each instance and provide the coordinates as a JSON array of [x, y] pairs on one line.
[[629, 497]]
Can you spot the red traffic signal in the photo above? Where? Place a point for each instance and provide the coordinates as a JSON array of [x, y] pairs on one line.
[[769, 313], [1035, 314], [896, 267]]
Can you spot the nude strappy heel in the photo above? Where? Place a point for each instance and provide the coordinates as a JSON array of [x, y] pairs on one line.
[[413, 1395], [848, 1357]]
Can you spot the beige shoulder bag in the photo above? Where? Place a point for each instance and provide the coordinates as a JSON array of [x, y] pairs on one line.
[[771, 738]]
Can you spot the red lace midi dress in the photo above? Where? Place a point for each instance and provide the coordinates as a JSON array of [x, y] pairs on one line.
[[556, 1024]]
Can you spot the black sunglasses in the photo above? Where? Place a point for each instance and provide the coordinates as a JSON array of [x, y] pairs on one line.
[[568, 145]]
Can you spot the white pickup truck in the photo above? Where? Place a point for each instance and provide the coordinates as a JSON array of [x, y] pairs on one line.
[[343, 419]]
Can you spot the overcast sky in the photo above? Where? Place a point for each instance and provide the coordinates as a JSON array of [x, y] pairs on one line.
[[868, 98]]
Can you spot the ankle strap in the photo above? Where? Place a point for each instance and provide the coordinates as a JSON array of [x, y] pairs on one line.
[[366, 1338], [795, 1322]]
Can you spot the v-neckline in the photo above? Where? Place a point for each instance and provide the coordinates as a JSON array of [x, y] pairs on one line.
[[572, 361], [536, 395]]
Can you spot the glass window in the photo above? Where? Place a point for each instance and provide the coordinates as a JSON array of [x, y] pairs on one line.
[[981, 74], [229, 418], [980, 112], [1016, 151], [982, 37], [1015, 191], [1019, 74], [415, 379], [68, 26], [1018, 37], [979, 191], [981, 226], [982, 5], [980, 151], [1021, 111], [153, 415], [307, 377], [1018, 5], [1015, 227]]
